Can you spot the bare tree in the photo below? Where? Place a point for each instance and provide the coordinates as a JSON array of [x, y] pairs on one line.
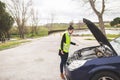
[[52, 20], [99, 13], [20, 10], [71, 23], [35, 20], [80, 24]]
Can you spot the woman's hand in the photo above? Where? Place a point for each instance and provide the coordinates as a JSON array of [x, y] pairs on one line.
[[62, 52], [77, 45]]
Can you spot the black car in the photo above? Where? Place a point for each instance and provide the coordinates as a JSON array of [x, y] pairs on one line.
[[100, 62]]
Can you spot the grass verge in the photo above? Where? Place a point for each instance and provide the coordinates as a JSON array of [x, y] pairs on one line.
[[11, 44]]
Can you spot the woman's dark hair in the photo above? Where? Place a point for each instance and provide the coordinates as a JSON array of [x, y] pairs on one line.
[[70, 27]]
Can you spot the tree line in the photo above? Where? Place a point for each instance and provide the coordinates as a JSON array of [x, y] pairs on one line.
[[20, 11]]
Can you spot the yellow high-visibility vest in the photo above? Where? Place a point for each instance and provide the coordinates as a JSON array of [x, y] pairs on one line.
[[66, 45]]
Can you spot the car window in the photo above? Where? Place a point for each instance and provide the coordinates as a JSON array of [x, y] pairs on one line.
[[116, 45]]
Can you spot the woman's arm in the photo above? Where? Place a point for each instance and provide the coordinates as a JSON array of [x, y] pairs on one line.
[[63, 41]]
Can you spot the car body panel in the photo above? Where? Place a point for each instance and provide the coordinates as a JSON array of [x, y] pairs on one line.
[[92, 66]]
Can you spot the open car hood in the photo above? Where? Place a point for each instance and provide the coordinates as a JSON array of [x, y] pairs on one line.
[[100, 37]]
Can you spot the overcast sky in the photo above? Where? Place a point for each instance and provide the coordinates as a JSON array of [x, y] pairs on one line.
[[71, 10]]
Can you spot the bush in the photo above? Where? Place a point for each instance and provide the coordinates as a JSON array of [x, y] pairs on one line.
[[42, 31], [115, 22]]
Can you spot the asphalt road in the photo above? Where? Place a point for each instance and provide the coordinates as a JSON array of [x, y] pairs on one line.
[[36, 60]]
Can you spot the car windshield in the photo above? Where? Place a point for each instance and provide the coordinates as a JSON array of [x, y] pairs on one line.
[[116, 45]]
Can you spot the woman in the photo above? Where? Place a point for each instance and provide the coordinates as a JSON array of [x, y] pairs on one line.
[[64, 48]]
